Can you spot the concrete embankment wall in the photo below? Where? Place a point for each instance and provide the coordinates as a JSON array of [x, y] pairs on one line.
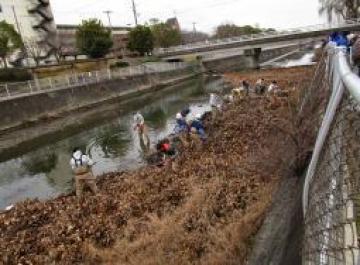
[[233, 63], [269, 54], [19, 111]]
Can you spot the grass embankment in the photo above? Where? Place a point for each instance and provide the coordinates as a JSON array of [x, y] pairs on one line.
[[206, 213]]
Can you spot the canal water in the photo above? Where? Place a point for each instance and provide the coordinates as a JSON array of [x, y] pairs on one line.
[[42, 171]]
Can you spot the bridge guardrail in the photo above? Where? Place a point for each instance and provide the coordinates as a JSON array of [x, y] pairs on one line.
[[263, 35], [8, 90], [331, 198]]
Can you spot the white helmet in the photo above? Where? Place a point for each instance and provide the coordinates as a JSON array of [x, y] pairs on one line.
[[198, 116], [351, 36], [178, 116]]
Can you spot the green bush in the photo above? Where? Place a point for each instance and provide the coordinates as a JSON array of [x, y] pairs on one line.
[[14, 75], [93, 39], [141, 40]]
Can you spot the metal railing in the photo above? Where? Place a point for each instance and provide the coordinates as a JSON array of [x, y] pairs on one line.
[[331, 197], [262, 35], [9, 90]]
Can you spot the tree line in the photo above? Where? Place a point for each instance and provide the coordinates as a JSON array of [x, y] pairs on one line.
[[155, 34], [95, 40]]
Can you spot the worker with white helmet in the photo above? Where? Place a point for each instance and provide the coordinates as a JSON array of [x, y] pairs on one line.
[[81, 165], [142, 131], [215, 101], [139, 122], [181, 124], [182, 129]]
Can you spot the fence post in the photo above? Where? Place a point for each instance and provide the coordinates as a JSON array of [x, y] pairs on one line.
[[109, 73], [7, 90], [50, 83], [144, 69], [30, 86], [37, 84], [68, 80]]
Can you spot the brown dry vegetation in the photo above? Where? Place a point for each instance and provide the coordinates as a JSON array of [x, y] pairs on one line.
[[206, 213]]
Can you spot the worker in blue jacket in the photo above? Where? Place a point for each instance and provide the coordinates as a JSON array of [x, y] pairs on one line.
[[197, 125], [340, 39], [181, 125]]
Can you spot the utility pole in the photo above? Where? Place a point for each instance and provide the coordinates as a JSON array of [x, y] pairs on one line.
[[108, 13], [20, 33], [194, 27], [194, 31], [135, 13], [16, 21]]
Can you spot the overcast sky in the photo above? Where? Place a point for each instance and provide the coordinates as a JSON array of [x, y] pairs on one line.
[[205, 13]]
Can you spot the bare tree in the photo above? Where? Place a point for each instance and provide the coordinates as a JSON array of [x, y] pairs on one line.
[[35, 50], [345, 9], [59, 52]]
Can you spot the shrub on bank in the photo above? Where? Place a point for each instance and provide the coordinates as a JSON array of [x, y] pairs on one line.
[[119, 65]]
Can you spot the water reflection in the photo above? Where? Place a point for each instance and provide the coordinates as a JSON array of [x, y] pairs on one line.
[[113, 140], [45, 172], [156, 117], [43, 162]]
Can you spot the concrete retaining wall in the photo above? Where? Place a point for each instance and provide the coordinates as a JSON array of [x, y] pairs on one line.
[[17, 112], [233, 63], [269, 54]]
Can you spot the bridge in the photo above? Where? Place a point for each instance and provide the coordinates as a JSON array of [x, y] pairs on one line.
[[294, 34]]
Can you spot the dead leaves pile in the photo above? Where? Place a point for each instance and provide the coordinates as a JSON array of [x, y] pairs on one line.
[[225, 171]]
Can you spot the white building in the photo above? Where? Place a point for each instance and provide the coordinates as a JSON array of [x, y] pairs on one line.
[[34, 20]]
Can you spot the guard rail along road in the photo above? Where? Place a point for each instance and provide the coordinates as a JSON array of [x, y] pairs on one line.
[[331, 197], [10, 90], [350, 24]]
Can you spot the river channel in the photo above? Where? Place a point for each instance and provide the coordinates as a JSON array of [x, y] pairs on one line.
[[41, 170]]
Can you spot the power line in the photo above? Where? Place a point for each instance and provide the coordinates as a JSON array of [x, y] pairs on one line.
[[196, 8], [80, 8]]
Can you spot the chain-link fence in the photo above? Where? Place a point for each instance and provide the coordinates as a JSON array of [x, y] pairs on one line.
[[8, 90], [331, 196]]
